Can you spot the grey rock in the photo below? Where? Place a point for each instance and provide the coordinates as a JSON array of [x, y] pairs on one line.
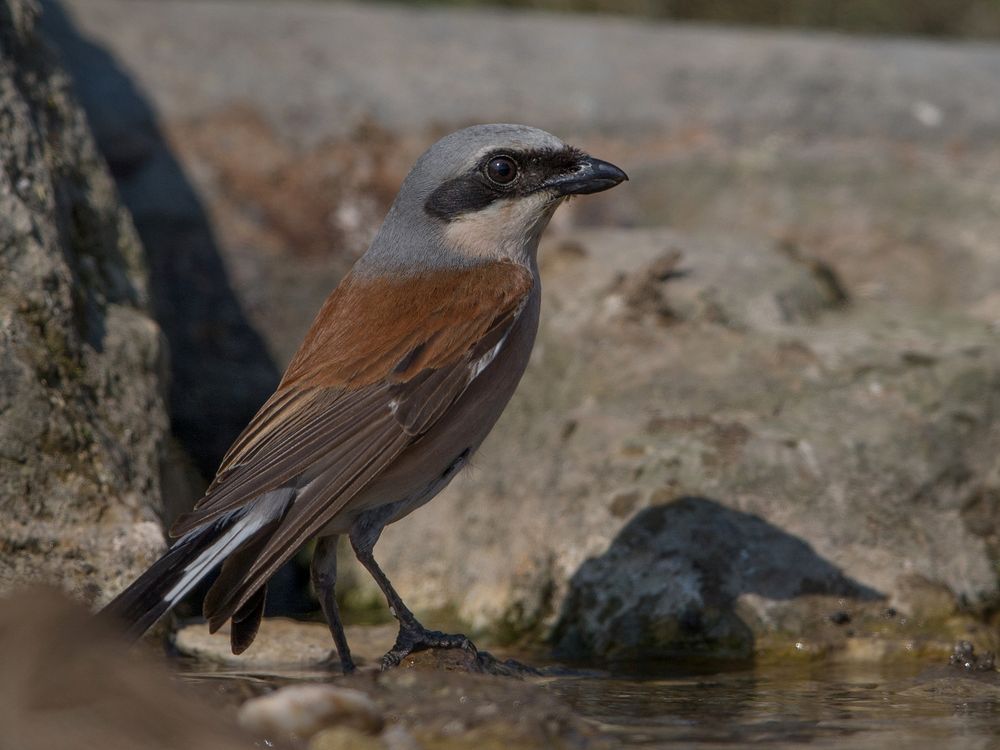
[[294, 126], [705, 478], [557, 71], [188, 287], [669, 582], [80, 358]]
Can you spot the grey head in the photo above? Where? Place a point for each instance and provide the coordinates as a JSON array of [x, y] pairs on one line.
[[482, 194]]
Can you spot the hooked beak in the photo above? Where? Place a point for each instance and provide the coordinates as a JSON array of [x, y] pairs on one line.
[[590, 176]]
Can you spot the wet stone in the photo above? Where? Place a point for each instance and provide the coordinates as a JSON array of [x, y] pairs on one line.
[[466, 660], [964, 657], [304, 710], [437, 698]]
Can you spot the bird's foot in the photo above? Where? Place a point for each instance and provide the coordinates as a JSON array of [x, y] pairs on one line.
[[416, 637]]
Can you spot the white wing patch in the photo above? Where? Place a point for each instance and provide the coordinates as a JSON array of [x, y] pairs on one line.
[[198, 568], [476, 368], [264, 509]]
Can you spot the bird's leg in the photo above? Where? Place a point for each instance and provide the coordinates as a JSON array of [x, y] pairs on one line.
[[324, 579], [412, 635]]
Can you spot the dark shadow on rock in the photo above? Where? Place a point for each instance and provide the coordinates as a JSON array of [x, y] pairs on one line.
[[669, 584], [221, 372], [220, 369]]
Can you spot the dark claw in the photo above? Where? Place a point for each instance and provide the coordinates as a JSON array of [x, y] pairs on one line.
[[415, 638]]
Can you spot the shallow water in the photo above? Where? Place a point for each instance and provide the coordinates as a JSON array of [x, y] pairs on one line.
[[782, 707], [802, 706]]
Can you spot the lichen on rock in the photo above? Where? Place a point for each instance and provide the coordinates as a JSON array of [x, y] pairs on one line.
[[81, 414]]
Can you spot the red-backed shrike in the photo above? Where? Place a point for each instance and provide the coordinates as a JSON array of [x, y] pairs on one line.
[[404, 372]]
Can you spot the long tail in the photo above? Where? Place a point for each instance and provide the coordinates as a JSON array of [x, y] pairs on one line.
[[190, 559]]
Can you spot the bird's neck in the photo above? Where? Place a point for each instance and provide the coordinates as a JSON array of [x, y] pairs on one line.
[[503, 232]]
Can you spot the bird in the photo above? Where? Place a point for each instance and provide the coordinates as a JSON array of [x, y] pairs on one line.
[[405, 370]]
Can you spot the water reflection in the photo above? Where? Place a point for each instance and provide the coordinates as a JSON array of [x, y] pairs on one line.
[[795, 707], [799, 706]]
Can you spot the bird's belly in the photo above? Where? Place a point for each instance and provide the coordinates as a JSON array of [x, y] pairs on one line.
[[426, 467]]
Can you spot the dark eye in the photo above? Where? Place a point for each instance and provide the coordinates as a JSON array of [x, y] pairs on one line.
[[501, 170]]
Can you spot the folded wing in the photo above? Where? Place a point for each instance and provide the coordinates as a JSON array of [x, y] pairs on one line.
[[381, 364]]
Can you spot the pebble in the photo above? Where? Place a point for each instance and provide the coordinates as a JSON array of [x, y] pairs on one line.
[[304, 710]]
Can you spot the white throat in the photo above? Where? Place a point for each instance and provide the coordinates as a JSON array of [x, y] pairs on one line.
[[507, 229]]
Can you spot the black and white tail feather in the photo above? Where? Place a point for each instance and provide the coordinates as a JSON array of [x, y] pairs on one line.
[[194, 556]]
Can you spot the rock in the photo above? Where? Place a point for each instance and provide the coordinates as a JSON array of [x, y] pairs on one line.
[[283, 642], [465, 660], [303, 710], [673, 575], [953, 687], [781, 447], [800, 137], [965, 657], [437, 698], [189, 290], [291, 645], [816, 139], [80, 357], [698, 84], [69, 681]]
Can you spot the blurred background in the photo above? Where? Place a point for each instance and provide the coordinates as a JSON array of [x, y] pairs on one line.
[[763, 417], [960, 18]]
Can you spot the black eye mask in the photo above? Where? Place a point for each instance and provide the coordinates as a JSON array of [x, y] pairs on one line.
[[474, 191]]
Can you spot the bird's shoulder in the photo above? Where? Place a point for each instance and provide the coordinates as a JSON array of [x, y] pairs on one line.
[[373, 328]]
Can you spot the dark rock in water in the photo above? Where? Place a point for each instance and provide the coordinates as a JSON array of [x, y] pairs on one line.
[[69, 681], [81, 359], [671, 582], [964, 657]]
